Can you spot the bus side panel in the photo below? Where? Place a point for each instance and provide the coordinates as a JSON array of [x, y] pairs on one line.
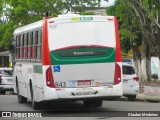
[[21, 75], [38, 82]]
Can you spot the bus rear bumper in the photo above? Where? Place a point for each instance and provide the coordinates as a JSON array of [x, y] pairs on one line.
[[117, 90], [78, 93]]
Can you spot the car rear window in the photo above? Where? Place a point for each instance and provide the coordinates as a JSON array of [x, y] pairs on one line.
[[6, 73], [128, 70], [126, 60]]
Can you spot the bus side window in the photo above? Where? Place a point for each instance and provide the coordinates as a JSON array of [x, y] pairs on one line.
[[18, 47], [22, 47], [34, 45], [25, 46], [39, 45], [30, 39]]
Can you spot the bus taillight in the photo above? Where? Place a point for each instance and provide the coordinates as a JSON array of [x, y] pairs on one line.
[[117, 74], [49, 78]]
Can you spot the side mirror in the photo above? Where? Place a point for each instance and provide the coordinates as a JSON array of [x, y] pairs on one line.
[[12, 46]]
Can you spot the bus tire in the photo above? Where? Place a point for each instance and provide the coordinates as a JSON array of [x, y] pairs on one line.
[[131, 97], [97, 103], [21, 99], [88, 103], [35, 105], [2, 92]]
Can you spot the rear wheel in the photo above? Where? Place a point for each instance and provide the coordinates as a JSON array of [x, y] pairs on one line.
[[131, 97], [2, 92], [21, 99], [97, 103], [35, 105], [88, 103]]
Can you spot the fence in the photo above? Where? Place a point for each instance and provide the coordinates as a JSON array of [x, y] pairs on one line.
[[150, 88]]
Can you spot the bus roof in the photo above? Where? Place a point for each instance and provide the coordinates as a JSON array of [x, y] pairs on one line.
[[60, 18], [29, 27]]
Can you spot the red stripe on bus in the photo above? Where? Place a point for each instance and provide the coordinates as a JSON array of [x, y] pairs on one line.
[[29, 52], [45, 49], [118, 48], [33, 52], [25, 52], [21, 52]]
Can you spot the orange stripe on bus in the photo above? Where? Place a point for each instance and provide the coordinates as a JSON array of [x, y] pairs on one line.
[[45, 49], [118, 48]]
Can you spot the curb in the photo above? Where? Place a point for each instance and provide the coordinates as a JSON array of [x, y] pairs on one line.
[[143, 98]]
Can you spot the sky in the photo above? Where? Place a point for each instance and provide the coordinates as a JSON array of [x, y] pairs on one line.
[[109, 3]]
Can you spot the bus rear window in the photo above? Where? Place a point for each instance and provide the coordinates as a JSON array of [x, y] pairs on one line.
[[82, 33]]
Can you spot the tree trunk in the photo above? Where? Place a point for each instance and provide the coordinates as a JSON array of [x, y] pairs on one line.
[[159, 69], [136, 59], [146, 62], [138, 69]]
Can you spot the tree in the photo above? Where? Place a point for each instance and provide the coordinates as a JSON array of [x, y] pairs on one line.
[[16, 13], [147, 13], [130, 34], [6, 29]]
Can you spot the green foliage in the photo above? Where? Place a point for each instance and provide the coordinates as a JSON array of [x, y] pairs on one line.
[[16, 13], [125, 45], [6, 32], [127, 24]]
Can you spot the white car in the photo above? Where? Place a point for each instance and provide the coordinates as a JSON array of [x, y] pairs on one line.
[[6, 79], [130, 82], [127, 60]]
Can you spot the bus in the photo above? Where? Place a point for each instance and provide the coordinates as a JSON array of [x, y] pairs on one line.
[[69, 57]]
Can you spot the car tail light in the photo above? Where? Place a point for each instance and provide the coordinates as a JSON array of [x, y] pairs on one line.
[[136, 78], [117, 74], [49, 78]]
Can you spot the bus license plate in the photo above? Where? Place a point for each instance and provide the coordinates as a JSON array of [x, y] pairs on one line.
[[84, 93], [84, 82]]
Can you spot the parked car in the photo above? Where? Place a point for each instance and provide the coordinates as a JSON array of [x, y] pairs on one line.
[[6, 79], [127, 60], [130, 82]]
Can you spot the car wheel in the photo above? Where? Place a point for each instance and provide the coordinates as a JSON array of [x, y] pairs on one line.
[[97, 103], [35, 105], [21, 99], [131, 97]]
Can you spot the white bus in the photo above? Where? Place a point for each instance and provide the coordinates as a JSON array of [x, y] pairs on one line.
[[69, 57]]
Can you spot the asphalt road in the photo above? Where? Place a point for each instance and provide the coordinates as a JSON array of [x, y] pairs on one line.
[[109, 110]]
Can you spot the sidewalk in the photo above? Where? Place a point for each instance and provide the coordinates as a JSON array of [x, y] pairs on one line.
[[145, 98]]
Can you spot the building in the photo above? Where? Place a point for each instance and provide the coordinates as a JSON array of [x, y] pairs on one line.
[[5, 58]]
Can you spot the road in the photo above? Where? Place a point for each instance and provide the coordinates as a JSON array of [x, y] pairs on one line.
[[76, 109]]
